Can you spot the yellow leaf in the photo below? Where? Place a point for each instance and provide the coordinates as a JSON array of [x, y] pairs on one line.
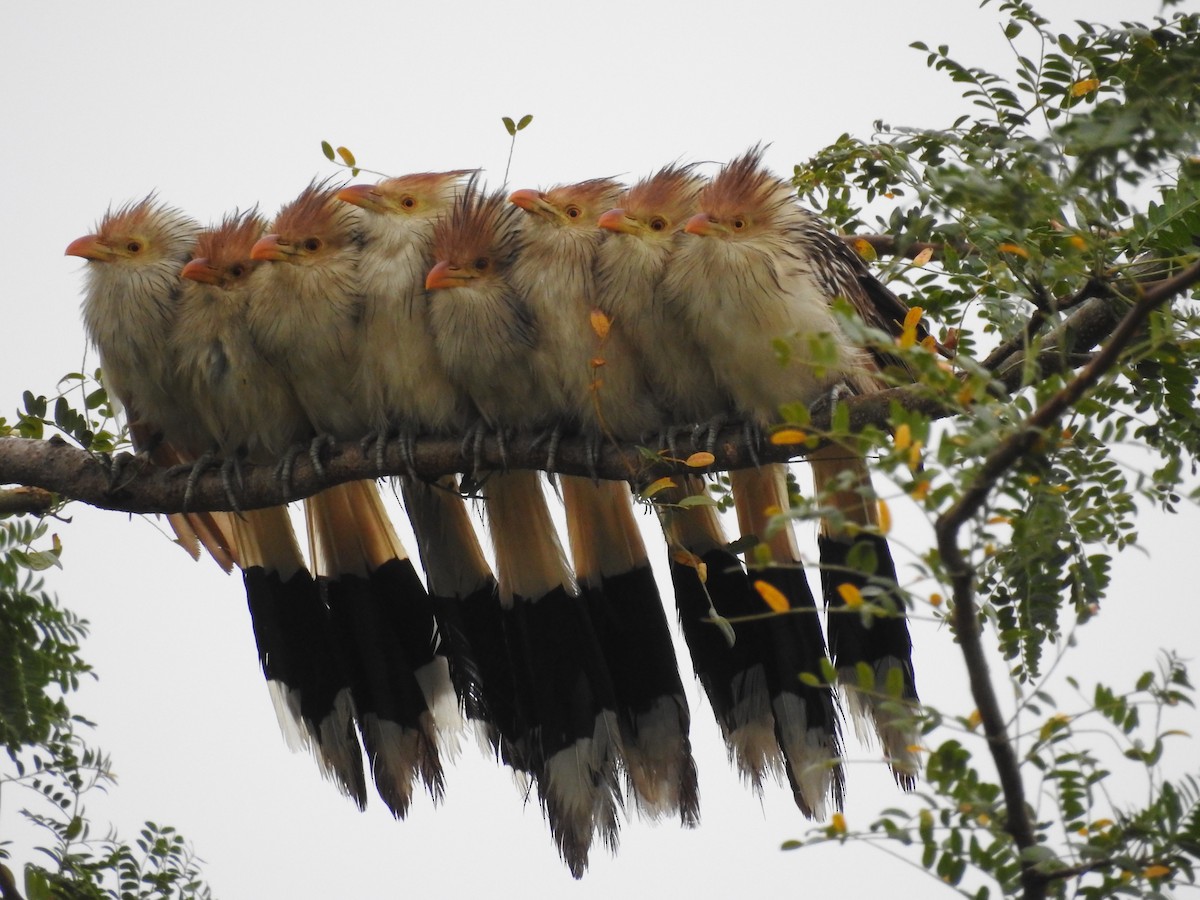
[[908, 336], [929, 343], [864, 249], [920, 490], [600, 323], [914, 455], [850, 595], [974, 719], [902, 439], [837, 824], [654, 487], [700, 460], [912, 318], [772, 596], [1077, 242], [1084, 86], [702, 571], [885, 517], [923, 257], [787, 436], [1156, 871], [346, 155], [935, 599], [1014, 250]]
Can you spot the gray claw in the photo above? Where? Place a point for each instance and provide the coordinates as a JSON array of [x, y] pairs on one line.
[[231, 469], [198, 468], [319, 443], [752, 434]]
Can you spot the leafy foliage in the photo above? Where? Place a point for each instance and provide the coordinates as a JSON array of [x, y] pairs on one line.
[[1072, 180], [39, 666]]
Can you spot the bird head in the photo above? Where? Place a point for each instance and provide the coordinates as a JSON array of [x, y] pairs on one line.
[[569, 205], [141, 234], [744, 200], [477, 242], [422, 195], [223, 253], [310, 230], [657, 207]]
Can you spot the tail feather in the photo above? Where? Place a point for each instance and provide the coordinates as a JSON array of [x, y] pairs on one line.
[[572, 744], [456, 570], [383, 619], [307, 679], [635, 638], [808, 722], [881, 644]]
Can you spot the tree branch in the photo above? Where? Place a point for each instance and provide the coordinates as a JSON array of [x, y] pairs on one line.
[[961, 573]]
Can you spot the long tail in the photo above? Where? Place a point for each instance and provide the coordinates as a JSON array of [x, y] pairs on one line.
[[614, 573], [384, 620], [574, 744], [470, 620], [873, 655], [307, 679], [807, 721], [730, 659]]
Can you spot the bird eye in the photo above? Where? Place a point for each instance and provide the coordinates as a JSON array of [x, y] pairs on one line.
[[481, 263], [237, 270], [739, 223], [408, 202], [573, 212], [312, 244], [658, 223], [134, 247]]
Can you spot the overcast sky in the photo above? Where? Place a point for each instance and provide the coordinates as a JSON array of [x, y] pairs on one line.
[[221, 105]]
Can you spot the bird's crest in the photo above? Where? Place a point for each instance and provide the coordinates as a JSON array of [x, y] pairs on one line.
[[670, 193], [593, 196], [230, 242], [745, 187], [481, 225], [166, 231], [318, 212]]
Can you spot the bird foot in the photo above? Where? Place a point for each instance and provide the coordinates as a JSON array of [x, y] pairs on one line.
[[287, 462], [194, 470], [591, 453], [824, 404], [472, 445], [752, 435], [551, 437], [118, 465], [231, 470], [708, 431], [319, 443]]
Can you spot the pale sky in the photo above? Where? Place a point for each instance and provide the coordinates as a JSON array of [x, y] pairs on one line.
[[222, 105]]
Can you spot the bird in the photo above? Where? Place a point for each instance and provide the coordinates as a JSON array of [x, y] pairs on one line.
[[409, 393], [245, 410], [484, 335], [773, 722], [132, 280], [554, 277], [305, 317], [758, 269]]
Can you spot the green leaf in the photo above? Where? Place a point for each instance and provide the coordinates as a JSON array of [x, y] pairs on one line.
[[525, 120], [327, 149], [509, 126]]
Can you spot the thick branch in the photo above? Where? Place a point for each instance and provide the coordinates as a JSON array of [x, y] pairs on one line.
[[950, 523]]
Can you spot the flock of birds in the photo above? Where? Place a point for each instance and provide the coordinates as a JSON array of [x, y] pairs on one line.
[[425, 304]]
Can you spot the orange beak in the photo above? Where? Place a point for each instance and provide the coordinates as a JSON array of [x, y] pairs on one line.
[[528, 200], [617, 220], [200, 269], [363, 195], [702, 224], [272, 247], [89, 247], [444, 275]]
